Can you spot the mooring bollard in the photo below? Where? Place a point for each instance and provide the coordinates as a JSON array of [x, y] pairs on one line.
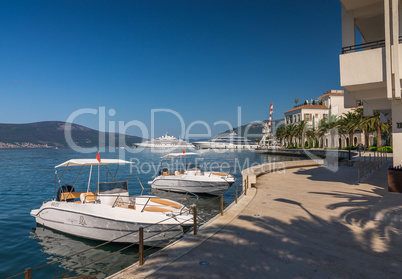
[[195, 219], [28, 273], [221, 205], [358, 170], [141, 246], [245, 186], [236, 193], [364, 165]]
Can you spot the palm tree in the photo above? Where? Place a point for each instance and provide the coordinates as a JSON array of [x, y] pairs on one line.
[[300, 129], [374, 122], [322, 130], [329, 125], [280, 134], [290, 132], [296, 100], [310, 134], [348, 124], [363, 125]]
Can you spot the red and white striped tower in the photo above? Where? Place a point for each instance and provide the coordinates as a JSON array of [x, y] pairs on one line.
[[266, 131], [270, 118]]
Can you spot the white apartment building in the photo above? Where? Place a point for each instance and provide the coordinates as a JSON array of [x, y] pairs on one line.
[[332, 104], [312, 114], [372, 71], [334, 101]]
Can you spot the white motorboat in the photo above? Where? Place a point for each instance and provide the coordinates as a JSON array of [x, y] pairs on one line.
[[229, 141], [109, 213], [182, 177], [165, 142]]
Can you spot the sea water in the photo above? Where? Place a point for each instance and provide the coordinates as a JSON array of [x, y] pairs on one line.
[[27, 178]]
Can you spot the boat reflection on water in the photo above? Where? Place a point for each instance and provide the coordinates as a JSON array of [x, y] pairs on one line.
[[58, 245]]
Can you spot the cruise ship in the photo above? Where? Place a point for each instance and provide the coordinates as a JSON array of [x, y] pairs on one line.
[[165, 142], [229, 141]]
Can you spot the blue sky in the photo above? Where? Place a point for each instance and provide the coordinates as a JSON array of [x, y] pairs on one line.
[[202, 59]]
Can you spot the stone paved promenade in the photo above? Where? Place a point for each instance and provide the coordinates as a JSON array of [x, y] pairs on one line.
[[304, 223]]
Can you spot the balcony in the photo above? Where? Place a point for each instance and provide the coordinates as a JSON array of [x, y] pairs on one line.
[[362, 66], [362, 69]]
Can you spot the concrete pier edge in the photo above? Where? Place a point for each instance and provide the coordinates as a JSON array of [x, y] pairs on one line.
[[177, 249]]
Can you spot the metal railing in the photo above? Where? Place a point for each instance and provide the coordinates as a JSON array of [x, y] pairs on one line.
[[367, 165], [28, 273], [364, 46]]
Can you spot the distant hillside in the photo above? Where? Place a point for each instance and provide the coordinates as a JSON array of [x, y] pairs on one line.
[[254, 130], [51, 134]]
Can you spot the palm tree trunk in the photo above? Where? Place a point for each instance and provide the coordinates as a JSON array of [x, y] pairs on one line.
[[351, 139], [379, 140], [366, 138]]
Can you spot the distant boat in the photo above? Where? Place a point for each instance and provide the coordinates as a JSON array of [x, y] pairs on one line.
[[178, 176], [229, 141], [165, 142]]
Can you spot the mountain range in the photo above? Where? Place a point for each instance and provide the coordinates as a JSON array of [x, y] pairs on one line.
[[254, 130], [50, 134]]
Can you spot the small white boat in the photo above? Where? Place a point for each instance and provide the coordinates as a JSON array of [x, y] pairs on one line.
[[182, 177], [109, 213], [165, 142]]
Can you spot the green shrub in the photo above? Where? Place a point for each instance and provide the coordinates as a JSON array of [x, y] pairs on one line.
[[372, 148], [387, 149], [349, 147]]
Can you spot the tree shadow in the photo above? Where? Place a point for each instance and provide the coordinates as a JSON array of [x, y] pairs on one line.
[[343, 174], [267, 247]]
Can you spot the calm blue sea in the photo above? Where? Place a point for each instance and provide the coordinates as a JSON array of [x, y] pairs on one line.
[[27, 179]]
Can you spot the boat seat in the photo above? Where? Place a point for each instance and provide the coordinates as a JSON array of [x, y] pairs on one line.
[[220, 173], [90, 197], [166, 202], [156, 209], [179, 172], [70, 195]]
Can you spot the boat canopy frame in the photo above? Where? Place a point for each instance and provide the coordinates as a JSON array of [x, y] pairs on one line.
[[91, 163]]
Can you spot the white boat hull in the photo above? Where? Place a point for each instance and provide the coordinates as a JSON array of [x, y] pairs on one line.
[[215, 145], [180, 183], [106, 223]]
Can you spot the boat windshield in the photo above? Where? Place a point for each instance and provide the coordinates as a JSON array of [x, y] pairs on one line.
[[113, 187]]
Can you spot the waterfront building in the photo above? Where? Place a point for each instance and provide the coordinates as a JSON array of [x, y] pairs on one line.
[[371, 71], [331, 103]]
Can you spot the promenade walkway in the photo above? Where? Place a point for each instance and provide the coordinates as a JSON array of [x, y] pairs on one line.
[[305, 223]]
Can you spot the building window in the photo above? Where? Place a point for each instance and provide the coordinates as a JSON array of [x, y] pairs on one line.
[[307, 116]]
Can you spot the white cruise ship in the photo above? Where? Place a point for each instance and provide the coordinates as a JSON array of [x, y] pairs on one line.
[[165, 142], [229, 141]]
